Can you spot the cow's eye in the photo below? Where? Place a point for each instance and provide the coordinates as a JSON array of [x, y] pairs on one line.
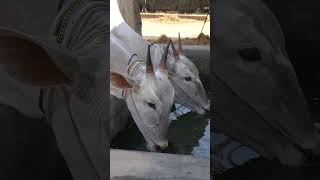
[[188, 78], [151, 105], [250, 54]]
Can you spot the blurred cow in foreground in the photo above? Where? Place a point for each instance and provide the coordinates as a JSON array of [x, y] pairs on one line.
[[257, 97]]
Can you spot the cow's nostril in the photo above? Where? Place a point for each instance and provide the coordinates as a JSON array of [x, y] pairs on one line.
[[207, 107], [158, 148], [163, 145]]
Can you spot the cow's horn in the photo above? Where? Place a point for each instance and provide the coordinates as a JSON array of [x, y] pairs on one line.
[[163, 61], [175, 52], [180, 46], [149, 68]]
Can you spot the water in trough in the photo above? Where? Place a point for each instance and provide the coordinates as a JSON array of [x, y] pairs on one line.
[[189, 133]]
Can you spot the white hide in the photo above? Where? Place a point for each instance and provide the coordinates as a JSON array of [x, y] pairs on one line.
[[195, 96], [149, 97]]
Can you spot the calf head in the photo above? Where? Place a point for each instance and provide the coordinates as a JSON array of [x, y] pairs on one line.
[[149, 96]]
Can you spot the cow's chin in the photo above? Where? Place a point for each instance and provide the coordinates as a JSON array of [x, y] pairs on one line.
[[160, 146], [199, 110], [194, 106]]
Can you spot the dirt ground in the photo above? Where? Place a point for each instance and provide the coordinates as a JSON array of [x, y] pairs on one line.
[[156, 25]]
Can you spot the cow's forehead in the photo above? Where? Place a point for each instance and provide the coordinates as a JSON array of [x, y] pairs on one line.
[[246, 22], [237, 28]]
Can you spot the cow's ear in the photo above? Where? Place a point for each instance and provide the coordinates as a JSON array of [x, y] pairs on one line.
[[28, 62], [119, 81]]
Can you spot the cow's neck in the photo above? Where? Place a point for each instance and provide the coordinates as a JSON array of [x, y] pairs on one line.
[[136, 69], [122, 59], [134, 41]]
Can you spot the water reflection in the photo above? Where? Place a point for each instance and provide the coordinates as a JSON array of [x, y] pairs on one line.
[[203, 150]]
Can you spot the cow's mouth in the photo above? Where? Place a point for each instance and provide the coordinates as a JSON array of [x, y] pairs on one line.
[[152, 144], [198, 107], [160, 146]]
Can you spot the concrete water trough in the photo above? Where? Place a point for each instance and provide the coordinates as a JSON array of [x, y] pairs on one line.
[[134, 165]]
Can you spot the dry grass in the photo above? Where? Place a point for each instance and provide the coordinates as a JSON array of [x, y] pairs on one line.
[[202, 39], [162, 39]]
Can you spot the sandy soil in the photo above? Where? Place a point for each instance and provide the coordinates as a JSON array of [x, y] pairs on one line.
[[171, 24]]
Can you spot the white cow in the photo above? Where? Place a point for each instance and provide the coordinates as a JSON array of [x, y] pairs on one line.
[[70, 68], [184, 75], [148, 92]]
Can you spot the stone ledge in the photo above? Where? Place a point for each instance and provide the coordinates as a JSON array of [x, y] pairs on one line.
[[126, 164]]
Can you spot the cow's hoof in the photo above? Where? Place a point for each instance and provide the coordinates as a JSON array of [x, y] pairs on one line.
[[159, 147]]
